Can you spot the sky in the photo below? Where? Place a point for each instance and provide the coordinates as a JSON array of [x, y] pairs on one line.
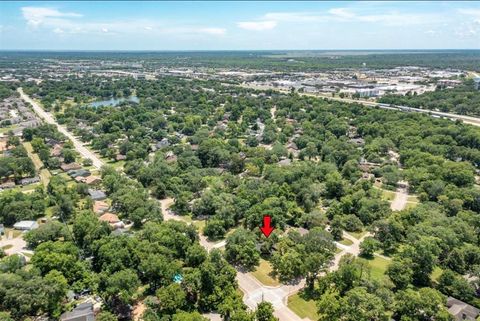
[[238, 25]]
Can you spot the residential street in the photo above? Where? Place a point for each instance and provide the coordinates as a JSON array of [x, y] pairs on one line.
[[48, 118]]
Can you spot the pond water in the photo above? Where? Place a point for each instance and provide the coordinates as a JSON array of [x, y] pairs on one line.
[[114, 101]]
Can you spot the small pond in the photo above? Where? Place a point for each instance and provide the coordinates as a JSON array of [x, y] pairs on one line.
[[114, 101]]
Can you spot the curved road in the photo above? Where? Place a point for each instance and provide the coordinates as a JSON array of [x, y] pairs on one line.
[[48, 118]]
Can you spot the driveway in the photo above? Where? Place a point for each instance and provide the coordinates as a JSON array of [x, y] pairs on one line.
[[16, 245], [400, 200]]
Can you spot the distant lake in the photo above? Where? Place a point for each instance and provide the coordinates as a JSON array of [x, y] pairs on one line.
[[114, 101]]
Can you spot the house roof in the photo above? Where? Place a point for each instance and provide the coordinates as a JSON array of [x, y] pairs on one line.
[[461, 310], [100, 207], [25, 225], [109, 218], [96, 194], [92, 179], [83, 312]]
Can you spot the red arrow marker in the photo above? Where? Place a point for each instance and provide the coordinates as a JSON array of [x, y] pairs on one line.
[[266, 228]]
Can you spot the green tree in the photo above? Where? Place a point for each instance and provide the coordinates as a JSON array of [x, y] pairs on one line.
[[241, 249], [264, 312]]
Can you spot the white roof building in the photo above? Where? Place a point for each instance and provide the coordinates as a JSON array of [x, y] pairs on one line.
[[25, 225]]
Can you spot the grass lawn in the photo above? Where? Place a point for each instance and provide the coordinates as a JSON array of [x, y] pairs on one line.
[[358, 235], [412, 198], [199, 224], [45, 176], [378, 267], [262, 274], [346, 242], [338, 250], [5, 130], [30, 188], [410, 205], [8, 246], [436, 273], [388, 195], [303, 308]]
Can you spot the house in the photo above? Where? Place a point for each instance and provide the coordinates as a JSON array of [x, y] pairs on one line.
[[109, 218], [162, 144], [461, 310], [112, 220], [52, 142], [56, 151], [82, 312], [357, 141], [285, 162], [96, 195], [92, 180], [69, 167], [100, 207], [170, 156], [29, 180], [79, 172], [7, 185], [25, 225], [120, 157]]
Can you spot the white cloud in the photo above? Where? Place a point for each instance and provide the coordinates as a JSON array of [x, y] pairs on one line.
[[257, 25], [211, 31], [341, 13], [389, 18], [66, 23], [36, 16], [470, 12], [294, 16]]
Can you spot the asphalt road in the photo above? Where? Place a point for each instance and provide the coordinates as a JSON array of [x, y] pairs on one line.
[[48, 118], [466, 119]]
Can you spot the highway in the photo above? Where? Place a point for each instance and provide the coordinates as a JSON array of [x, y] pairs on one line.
[[466, 119], [48, 118]]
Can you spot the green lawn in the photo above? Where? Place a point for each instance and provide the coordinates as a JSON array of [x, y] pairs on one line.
[[388, 195], [410, 205], [358, 235], [8, 246], [346, 242], [436, 273], [412, 198], [303, 308], [199, 224], [378, 267], [262, 274]]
